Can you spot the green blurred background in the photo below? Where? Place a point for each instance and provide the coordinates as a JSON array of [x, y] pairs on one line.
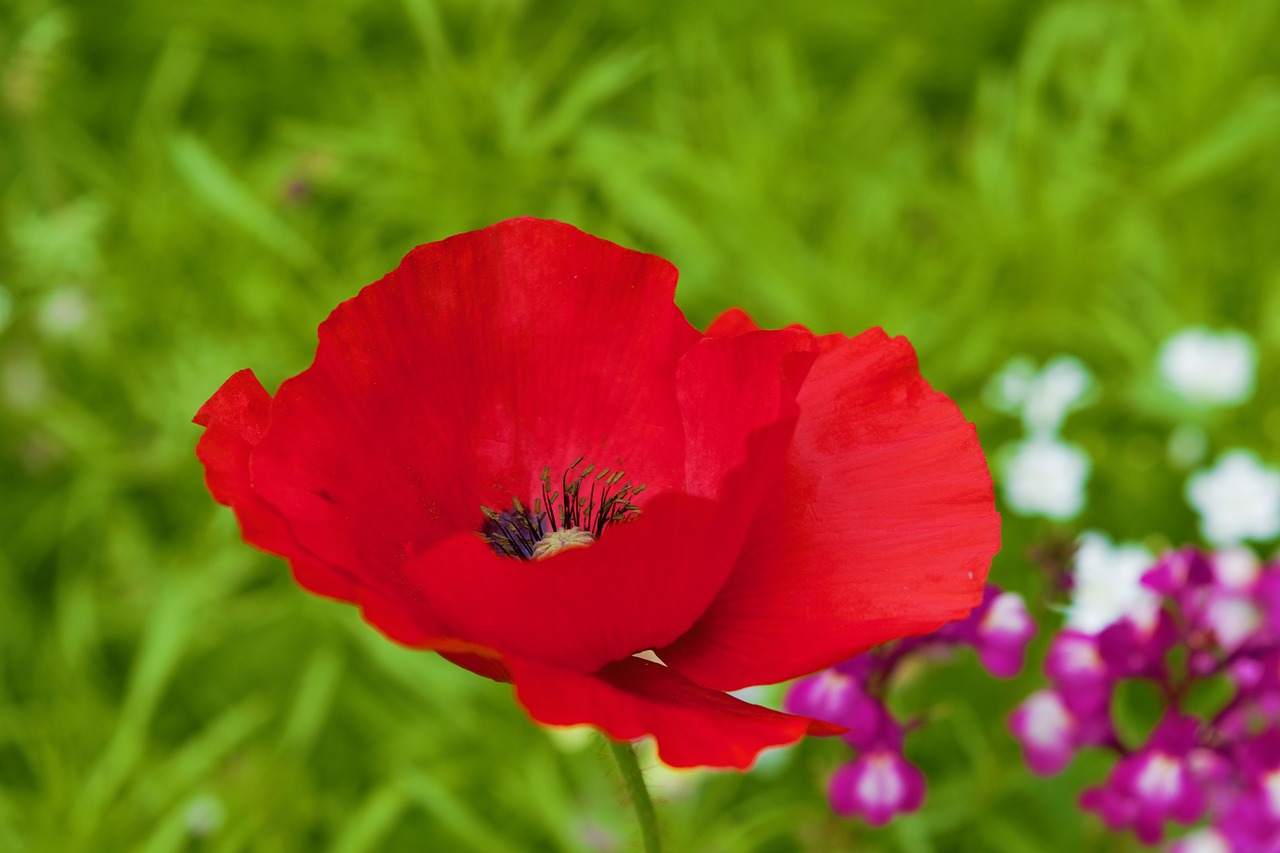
[[188, 188]]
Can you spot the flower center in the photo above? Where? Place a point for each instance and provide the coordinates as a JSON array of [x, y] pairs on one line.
[[573, 516], [1161, 779], [561, 540]]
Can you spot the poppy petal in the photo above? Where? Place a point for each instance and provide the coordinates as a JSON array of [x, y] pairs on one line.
[[640, 586], [693, 726], [645, 581], [484, 665], [731, 323], [451, 382], [581, 608], [882, 525], [235, 418], [729, 387]]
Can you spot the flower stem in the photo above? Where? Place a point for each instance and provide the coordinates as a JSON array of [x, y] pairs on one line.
[[630, 768]]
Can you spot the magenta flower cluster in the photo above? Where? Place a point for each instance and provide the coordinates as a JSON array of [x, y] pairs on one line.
[[1214, 618], [880, 783]]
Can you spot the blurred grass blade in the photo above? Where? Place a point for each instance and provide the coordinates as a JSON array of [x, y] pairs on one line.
[[161, 649], [314, 700], [451, 812], [365, 828], [1251, 129], [217, 187]]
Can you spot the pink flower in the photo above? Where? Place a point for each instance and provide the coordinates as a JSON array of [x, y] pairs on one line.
[[1048, 731], [1077, 668], [1153, 785], [879, 785], [1206, 840], [1002, 630], [1250, 817]]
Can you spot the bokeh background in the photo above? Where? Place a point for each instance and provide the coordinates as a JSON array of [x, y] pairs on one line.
[[188, 188]]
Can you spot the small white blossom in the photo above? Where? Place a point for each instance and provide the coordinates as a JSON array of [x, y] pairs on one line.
[[1008, 389], [1041, 398], [24, 385], [204, 816], [64, 313], [1044, 476], [1060, 387], [1209, 368], [1233, 618], [1236, 569], [1107, 584], [1237, 499]]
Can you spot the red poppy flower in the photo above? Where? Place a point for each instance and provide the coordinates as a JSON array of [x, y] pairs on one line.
[[453, 463]]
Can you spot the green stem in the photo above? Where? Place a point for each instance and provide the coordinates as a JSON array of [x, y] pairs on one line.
[[626, 757]]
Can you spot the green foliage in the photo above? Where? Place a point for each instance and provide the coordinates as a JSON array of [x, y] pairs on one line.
[[188, 188]]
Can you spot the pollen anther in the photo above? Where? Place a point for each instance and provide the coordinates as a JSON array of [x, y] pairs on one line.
[[561, 540], [573, 516]]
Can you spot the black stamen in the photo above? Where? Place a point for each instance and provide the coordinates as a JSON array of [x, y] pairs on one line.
[[517, 531], [514, 533]]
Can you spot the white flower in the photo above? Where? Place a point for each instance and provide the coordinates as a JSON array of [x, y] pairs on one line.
[[204, 816], [1042, 399], [1237, 499], [24, 384], [1044, 476], [1108, 584], [1233, 618], [1207, 367], [1059, 389], [64, 312], [1008, 389], [1236, 569]]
